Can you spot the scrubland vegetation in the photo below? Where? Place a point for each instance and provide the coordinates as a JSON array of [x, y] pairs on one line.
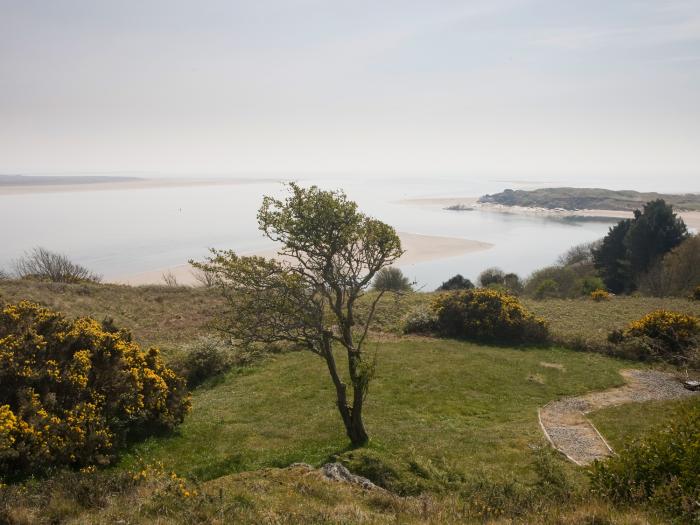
[[449, 385]]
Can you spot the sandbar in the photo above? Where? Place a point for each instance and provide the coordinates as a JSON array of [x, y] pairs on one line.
[[418, 248], [127, 184]]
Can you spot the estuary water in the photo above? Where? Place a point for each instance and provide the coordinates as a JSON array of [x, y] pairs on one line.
[[127, 231]]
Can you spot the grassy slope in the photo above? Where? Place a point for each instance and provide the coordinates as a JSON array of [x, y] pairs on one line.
[[157, 315], [455, 403], [587, 319], [458, 407]]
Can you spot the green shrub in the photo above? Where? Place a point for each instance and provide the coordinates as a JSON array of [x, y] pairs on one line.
[[695, 296], [547, 288], [661, 334], [420, 320], [391, 279], [72, 392], [487, 315], [662, 469], [552, 281], [207, 357], [491, 276], [589, 284], [455, 283]]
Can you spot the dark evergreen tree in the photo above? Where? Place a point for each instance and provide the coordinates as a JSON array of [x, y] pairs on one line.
[[611, 258], [653, 233], [633, 246]]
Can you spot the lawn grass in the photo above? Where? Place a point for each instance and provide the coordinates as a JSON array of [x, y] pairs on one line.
[[455, 404], [622, 424]]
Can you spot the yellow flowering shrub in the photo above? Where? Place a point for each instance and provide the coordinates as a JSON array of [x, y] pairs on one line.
[[600, 295], [72, 391], [487, 315], [661, 334]]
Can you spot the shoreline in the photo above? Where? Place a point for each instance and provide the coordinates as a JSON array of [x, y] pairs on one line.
[[419, 248], [143, 184], [691, 218]]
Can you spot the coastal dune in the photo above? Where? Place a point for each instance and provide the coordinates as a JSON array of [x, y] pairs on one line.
[[418, 248]]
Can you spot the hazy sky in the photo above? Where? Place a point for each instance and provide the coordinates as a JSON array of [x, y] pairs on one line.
[[503, 87]]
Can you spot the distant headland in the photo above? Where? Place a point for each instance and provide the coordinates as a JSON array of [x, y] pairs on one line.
[[572, 199]]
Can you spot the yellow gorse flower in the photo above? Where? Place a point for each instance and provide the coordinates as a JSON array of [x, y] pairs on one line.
[[70, 390]]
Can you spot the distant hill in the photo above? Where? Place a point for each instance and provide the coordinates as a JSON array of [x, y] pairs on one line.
[[59, 180], [588, 199]]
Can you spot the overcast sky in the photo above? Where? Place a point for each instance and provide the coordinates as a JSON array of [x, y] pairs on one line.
[[507, 87]]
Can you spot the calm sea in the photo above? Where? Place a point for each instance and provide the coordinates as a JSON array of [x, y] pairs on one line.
[[123, 232]]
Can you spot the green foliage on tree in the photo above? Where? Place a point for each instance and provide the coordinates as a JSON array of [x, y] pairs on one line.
[[653, 232], [633, 246], [612, 259], [329, 254]]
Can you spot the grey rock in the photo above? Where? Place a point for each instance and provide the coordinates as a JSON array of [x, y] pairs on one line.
[[337, 472]]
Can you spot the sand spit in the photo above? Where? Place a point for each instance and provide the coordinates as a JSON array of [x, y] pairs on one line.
[[419, 248]]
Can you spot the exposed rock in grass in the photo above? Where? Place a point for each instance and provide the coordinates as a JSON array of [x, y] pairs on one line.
[[337, 472]]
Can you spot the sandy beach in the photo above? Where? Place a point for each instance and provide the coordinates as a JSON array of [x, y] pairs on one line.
[[419, 248], [22, 189], [691, 218]]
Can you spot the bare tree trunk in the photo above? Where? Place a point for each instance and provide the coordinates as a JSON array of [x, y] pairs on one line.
[[357, 433], [351, 415]]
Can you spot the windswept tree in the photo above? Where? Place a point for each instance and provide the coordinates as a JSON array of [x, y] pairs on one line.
[[329, 254]]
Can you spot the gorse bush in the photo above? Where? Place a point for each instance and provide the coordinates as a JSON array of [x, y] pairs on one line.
[[661, 334], [662, 469], [487, 315], [600, 295], [72, 392]]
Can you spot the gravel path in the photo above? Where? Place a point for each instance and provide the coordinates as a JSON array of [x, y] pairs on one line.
[[566, 426]]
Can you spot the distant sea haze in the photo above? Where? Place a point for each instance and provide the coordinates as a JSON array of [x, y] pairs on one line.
[[128, 231]]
